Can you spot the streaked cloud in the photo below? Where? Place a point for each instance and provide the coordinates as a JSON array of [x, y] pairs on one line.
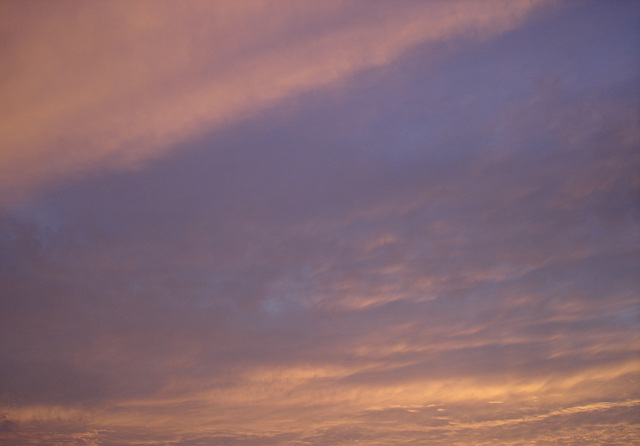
[[95, 85], [433, 241]]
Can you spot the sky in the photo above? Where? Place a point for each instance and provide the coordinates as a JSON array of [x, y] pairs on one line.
[[336, 222]]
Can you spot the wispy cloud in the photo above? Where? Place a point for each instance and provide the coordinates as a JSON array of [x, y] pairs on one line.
[[91, 85], [427, 234]]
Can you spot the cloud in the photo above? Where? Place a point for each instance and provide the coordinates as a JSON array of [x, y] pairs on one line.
[[383, 264], [91, 86]]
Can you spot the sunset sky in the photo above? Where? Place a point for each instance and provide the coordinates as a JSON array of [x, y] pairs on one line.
[[323, 222]]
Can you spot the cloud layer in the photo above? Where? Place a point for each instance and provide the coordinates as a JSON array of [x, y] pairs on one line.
[[426, 232], [92, 85]]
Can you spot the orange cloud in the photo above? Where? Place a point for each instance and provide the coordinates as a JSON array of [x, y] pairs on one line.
[[304, 399]]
